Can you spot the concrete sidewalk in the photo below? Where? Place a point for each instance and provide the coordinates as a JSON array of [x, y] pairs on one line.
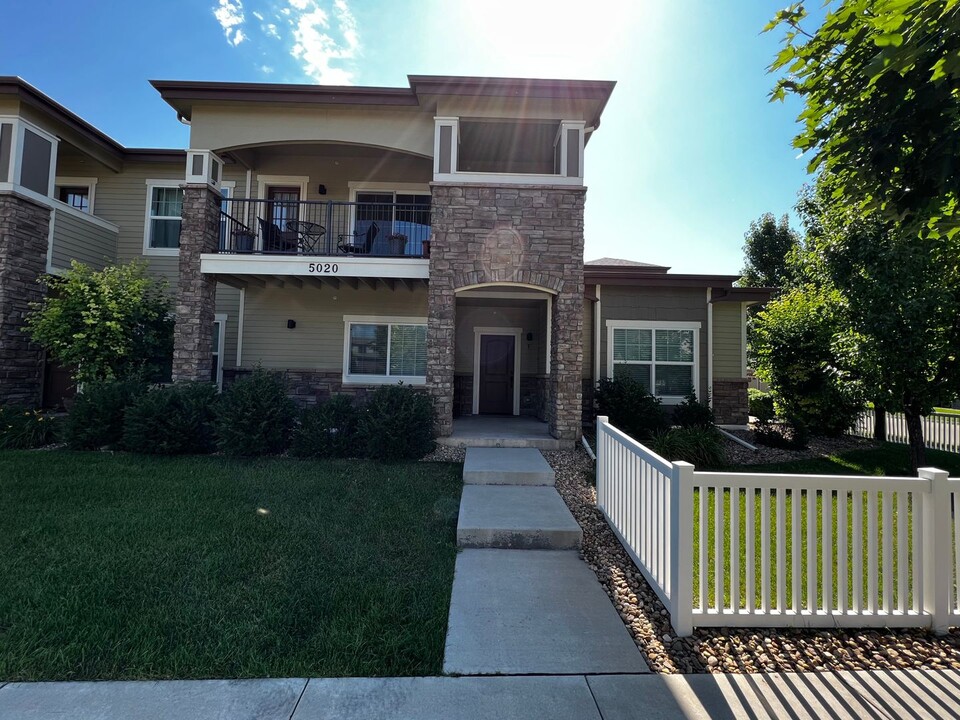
[[901, 694]]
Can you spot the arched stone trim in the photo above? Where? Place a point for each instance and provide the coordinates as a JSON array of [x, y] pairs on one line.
[[457, 287]]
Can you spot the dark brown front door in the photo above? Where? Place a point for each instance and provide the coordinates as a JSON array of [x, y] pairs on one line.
[[496, 374]]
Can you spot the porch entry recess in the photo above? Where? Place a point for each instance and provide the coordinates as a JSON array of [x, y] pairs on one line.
[[496, 371]]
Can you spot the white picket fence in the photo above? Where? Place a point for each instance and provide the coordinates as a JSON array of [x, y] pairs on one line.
[[941, 431], [766, 550]]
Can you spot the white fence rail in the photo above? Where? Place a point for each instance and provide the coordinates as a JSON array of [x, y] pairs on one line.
[[765, 550], [941, 431]]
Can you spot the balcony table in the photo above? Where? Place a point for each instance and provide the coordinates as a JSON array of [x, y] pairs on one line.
[[310, 234]]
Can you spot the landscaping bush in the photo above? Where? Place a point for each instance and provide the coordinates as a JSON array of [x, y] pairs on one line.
[[631, 408], [761, 404], [692, 413], [787, 435], [397, 424], [328, 430], [701, 446], [22, 429], [173, 420], [97, 414], [255, 416]]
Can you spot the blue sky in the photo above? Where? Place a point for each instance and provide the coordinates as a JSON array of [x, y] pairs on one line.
[[689, 151]]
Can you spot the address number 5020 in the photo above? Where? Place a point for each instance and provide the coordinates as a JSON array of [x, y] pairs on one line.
[[324, 267]]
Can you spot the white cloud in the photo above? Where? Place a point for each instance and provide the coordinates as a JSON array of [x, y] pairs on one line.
[[316, 48], [271, 30], [230, 16], [266, 69], [258, 16]]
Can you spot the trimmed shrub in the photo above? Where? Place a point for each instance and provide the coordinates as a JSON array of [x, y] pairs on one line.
[[692, 413], [631, 408], [761, 404], [788, 436], [328, 430], [22, 429], [97, 414], [255, 416], [698, 445], [173, 420], [397, 424]]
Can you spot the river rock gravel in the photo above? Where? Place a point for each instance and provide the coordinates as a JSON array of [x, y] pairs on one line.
[[721, 650]]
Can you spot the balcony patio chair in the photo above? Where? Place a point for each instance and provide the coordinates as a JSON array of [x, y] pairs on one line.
[[276, 240], [358, 243]]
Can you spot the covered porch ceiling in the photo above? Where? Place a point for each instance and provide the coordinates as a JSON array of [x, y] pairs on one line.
[[298, 282]]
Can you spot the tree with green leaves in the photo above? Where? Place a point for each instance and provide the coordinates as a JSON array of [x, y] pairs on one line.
[[105, 324], [880, 83], [898, 296], [767, 247]]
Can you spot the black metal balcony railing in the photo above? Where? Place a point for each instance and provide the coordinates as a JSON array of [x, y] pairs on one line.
[[288, 227]]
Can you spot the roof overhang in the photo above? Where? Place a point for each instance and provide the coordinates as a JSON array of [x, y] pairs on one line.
[[745, 294], [623, 276]]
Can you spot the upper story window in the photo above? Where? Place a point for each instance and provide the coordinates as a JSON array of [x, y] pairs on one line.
[[501, 146], [76, 192], [162, 223]]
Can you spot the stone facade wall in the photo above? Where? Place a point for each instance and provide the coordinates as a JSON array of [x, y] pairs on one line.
[[308, 387], [503, 234], [196, 292], [24, 229], [730, 404]]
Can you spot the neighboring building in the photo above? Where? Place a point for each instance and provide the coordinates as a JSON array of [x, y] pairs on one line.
[[354, 236]]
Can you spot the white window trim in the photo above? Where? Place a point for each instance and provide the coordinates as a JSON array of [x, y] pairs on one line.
[[89, 182], [349, 379], [151, 184], [266, 181], [658, 325], [478, 333], [222, 319]]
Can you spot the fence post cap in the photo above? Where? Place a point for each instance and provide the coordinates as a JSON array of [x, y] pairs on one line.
[[932, 473], [682, 463], [603, 418]]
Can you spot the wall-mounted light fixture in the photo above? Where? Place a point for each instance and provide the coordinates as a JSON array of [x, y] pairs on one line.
[[291, 324], [321, 190], [529, 337]]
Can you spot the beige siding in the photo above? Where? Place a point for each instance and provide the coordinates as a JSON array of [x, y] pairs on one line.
[[530, 319], [727, 341], [679, 304], [75, 238], [316, 343], [228, 303]]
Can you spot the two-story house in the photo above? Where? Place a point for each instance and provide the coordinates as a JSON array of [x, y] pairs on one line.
[[354, 236]]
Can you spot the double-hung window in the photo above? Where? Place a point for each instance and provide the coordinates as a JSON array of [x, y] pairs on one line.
[[162, 223], [385, 350], [661, 356]]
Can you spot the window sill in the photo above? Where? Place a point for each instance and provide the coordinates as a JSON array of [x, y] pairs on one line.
[[162, 252], [384, 380]]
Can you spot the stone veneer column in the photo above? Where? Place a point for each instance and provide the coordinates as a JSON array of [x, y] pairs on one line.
[[730, 403], [24, 231], [196, 292], [509, 234]]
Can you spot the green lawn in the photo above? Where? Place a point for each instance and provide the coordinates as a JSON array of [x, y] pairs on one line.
[[889, 459], [124, 566]]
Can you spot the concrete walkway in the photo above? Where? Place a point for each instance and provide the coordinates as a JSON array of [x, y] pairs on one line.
[[902, 694], [523, 602]]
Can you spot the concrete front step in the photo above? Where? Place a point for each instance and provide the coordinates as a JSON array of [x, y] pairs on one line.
[[506, 466], [516, 517]]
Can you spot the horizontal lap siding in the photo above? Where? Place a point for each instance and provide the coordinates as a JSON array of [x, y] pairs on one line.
[[77, 239], [316, 343], [678, 304], [528, 319], [727, 341]]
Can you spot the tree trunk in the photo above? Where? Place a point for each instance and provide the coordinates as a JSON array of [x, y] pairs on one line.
[[879, 424], [918, 451]]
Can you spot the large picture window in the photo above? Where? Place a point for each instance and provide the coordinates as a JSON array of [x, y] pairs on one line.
[[164, 208], [660, 356], [382, 350]]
